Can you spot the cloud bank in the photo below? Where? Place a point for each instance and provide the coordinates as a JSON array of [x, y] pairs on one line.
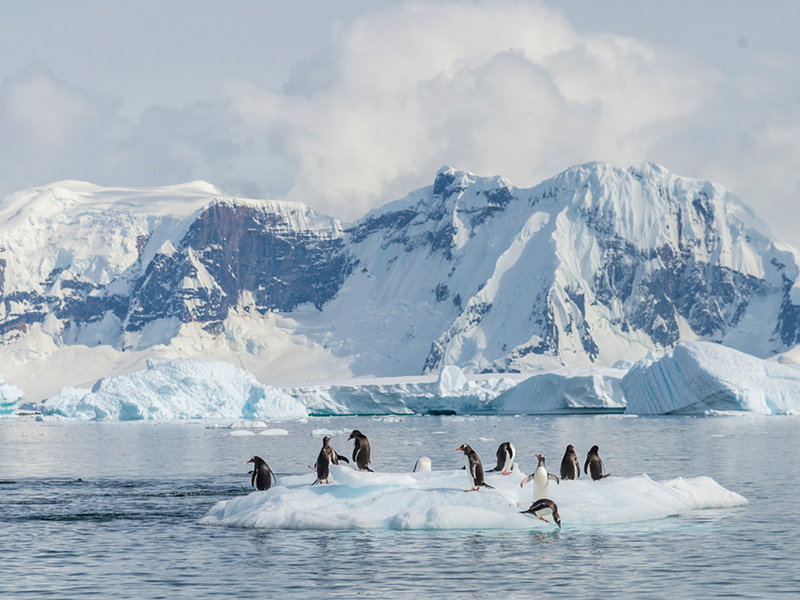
[[492, 87]]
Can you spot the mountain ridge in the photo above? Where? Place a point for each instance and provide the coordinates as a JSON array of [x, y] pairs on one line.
[[590, 266]]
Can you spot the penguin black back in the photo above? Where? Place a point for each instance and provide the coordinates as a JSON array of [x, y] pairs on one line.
[[262, 475], [593, 464], [361, 450], [570, 467]]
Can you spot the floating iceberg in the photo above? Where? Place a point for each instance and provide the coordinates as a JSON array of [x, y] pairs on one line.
[[450, 393], [575, 390], [177, 389], [437, 500], [705, 378], [10, 397]]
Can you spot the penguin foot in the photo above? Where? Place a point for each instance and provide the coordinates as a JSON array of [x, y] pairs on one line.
[[543, 519], [472, 490], [506, 472]]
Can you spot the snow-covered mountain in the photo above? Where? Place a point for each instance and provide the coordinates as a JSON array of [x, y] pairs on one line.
[[594, 265]]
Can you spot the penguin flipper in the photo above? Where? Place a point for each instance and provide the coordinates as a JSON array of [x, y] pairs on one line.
[[553, 477], [486, 485]]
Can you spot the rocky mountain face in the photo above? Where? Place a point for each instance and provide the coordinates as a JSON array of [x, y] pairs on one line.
[[594, 265]]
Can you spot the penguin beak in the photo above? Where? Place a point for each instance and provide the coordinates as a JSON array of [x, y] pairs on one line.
[[350, 438], [249, 461]]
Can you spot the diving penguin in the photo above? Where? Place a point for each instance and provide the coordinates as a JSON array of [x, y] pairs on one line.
[[541, 480], [262, 475], [360, 450], [542, 508], [474, 468], [593, 464], [570, 467], [506, 453]]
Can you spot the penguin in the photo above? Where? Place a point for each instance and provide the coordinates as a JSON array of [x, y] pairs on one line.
[[543, 507], [327, 457], [360, 450], [423, 464], [474, 468], [506, 452], [541, 480], [570, 467], [262, 475], [594, 465]]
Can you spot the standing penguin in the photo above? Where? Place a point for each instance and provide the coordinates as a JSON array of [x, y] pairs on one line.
[[570, 467], [541, 480], [506, 453], [474, 468], [593, 464], [327, 457], [262, 475], [360, 450], [542, 508]]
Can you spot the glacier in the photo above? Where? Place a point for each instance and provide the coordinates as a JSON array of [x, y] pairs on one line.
[[701, 378], [177, 389], [437, 500]]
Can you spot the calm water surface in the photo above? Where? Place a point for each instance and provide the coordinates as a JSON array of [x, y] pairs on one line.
[[110, 510]]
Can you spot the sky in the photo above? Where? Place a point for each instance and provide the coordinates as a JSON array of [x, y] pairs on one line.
[[347, 105]]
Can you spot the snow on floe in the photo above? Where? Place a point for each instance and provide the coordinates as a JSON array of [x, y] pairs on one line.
[[177, 389], [437, 500], [705, 378], [571, 390]]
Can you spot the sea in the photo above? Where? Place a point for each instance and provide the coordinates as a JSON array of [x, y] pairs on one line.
[[111, 510]]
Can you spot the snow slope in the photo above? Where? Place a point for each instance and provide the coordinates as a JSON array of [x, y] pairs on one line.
[[437, 500], [704, 378]]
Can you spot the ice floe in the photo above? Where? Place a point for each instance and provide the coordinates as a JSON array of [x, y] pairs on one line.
[[703, 378], [437, 500], [177, 389]]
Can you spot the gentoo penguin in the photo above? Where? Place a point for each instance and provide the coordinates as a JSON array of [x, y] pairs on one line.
[[543, 507], [541, 480], [474, 468], [327, 457], [423, 464], [262, 475], [360, 450], [570, 467], [505, 458], [593, 464]]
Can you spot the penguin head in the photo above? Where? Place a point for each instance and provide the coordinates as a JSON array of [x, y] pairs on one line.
[[256, 460], [594, 450], [541, 459], [355, 434], [557, 518], [570, 448], [464, 448], [326, 441]]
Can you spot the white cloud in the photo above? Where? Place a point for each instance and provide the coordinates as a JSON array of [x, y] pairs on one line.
[[496, 87]]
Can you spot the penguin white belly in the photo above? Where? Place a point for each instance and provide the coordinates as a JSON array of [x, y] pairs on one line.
[[469, 472], [541, 484], [422, 465]]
